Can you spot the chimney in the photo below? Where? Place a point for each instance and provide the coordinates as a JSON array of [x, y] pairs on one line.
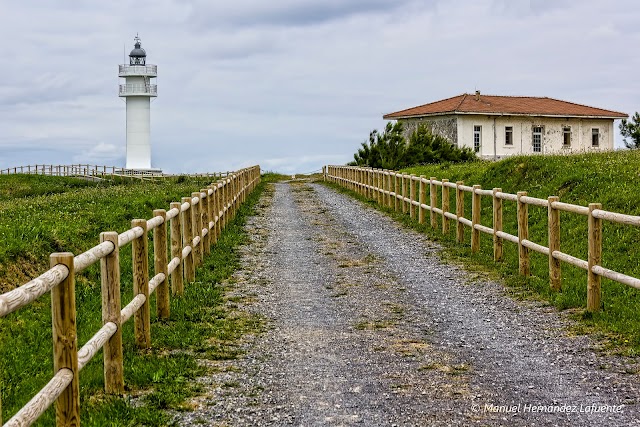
[[477, 95]]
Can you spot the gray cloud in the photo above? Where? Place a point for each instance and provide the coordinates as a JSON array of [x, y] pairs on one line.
[[251, 13], [291, 84]]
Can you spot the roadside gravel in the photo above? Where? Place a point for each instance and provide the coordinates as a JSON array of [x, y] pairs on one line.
[[367, 326]]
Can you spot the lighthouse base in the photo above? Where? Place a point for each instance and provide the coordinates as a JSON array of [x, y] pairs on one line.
[[140, 172]]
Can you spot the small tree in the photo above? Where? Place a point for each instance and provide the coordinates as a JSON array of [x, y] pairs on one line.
[[390, 150], [383, 150], [425, 147], [631, 130]]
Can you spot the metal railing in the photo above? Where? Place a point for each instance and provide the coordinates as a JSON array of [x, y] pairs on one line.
[[138, 89], [137, 70]]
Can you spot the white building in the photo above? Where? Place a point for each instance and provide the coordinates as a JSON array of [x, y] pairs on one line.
[[138, 91], [499, 126]]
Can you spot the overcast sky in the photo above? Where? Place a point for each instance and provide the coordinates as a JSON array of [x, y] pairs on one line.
[[290, 84]]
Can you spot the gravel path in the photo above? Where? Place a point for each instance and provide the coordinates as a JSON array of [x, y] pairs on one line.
[[367, 326]]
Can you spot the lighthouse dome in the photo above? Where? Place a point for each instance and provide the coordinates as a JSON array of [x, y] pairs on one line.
[[138, 56], [138, 52]]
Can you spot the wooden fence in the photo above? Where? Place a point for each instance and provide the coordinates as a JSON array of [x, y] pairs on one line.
[[408, 193], [194, 225], [96, 171]]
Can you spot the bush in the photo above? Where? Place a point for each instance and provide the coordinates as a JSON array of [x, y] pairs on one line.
[[389, 149]]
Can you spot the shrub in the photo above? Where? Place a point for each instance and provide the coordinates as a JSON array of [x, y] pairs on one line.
[[390, 150]]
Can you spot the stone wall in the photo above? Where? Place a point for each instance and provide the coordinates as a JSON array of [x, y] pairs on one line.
[[445, 126]]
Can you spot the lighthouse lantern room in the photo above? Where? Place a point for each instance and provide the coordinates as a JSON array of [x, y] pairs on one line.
[[137, 92]]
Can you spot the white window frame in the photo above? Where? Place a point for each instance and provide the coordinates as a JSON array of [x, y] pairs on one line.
[[477, 138], [595, 132], [508, 131], [566, 130], [537, 131]]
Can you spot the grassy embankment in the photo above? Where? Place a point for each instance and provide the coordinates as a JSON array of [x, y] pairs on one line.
[[612, 179], [40, 215]]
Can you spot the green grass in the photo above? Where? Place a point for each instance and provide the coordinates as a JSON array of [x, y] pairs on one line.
[[40, 215], [17, 186], [155, 380], [608, 178]]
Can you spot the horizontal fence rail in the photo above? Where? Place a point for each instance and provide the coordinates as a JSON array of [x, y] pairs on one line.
[[98, 171], [195, 224], [408, 194]]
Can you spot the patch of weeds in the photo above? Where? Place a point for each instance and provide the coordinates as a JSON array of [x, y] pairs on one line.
[[453, 370], [231, 384], [374, 325]]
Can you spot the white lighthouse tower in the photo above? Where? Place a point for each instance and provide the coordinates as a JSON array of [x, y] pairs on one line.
[[138, 91]]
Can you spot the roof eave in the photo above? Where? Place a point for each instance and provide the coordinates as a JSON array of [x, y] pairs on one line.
[[475, 113], [414, 116]]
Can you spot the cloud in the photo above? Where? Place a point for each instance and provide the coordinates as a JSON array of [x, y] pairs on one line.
[[252, 13], [101, 154], [276, 82]]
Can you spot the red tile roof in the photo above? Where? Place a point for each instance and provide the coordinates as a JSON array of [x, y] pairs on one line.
[[516, 105]]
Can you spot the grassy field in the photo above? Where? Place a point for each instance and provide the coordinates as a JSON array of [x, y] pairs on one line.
[[612, 179], [40, 215]]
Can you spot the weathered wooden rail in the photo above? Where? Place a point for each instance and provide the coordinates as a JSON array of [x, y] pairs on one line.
[[398, 191], [195, 224], [96, 171]]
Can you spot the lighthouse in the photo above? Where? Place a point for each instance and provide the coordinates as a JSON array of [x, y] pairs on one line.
[[137, 92]]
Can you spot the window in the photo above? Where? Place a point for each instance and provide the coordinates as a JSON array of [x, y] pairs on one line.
[[508, 135], [566, 131], [595, 137], [537, 139], [477, 138]]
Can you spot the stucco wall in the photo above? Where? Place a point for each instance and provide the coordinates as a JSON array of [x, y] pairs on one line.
[[444, 126], [552, 139]]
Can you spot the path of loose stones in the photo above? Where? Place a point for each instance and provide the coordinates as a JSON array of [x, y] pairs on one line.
[[367, 326]]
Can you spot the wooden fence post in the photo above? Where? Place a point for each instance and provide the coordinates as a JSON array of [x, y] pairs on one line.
[[404, 190], [111, 306], [377, 184], [421, 199], [177, 285], [476, 209], [140, 255], [160, 264], [218, 197], [389, 202], [445, 206], [367, 178], [187, 240], [196, 212], [212, 216], [555, 276], [225, 201], [206, 243], [497, 225], [412, 196], [433, 201], [459, 211], [351, 176], [217, 201], [523, 234], [65, 341], [395, 191], [354, 179], [594, 258]]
